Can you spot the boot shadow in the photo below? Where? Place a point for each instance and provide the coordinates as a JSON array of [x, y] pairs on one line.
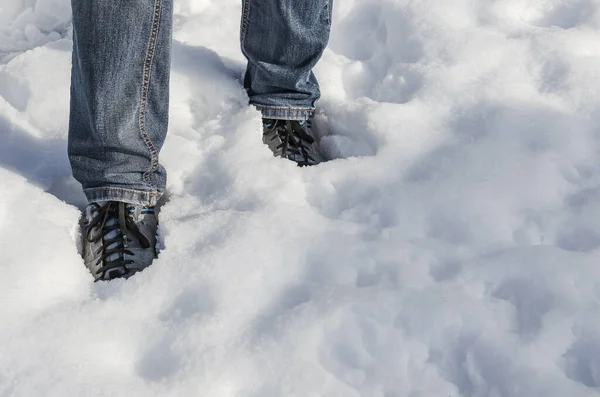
[[42, 161]]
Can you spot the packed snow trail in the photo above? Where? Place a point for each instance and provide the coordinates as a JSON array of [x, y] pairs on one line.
[[451, 248]]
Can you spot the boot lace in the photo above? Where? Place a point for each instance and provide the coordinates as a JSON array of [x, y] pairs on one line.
[[295, 141], [124, 226]]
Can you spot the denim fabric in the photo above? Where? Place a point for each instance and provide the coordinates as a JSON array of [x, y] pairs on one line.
[[283, 40], [120, 97], [120, 84]]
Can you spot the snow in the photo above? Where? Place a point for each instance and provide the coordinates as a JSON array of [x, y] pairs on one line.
[[451, 248]]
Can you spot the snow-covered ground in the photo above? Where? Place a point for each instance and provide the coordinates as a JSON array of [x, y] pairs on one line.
[[451, 248]]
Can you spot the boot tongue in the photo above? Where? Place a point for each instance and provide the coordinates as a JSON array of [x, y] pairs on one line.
[[113, 220], [110, 235], [116, 232]]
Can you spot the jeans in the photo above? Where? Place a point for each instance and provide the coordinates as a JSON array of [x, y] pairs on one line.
[[120, 84]]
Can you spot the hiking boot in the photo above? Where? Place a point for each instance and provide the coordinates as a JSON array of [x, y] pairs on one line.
[[119, 239], [292, 140]]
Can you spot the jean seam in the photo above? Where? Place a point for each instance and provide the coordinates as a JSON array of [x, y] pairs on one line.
[[306, 109], [329, 10], [245, 21], [147, 73], [119, 189]]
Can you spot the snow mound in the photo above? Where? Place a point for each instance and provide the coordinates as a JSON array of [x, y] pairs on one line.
[[450, 248], [26, 24]]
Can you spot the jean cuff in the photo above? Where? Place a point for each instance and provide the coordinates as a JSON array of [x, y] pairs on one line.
[[286, 113], [130, 196]]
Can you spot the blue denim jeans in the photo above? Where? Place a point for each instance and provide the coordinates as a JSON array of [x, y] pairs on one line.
[[120, 84]]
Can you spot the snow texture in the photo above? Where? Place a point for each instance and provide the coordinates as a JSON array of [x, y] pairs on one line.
[[450, 248]]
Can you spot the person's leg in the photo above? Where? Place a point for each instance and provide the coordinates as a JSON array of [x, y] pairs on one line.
[[283, 40], [120, 98]]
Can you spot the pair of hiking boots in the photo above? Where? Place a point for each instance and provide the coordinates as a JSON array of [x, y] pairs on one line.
[[120, 238]]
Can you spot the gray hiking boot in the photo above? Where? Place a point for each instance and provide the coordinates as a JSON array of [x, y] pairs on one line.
[[119, 239], [292, 140]]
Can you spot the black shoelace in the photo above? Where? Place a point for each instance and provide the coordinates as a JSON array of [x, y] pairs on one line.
[[295, 141], [117, 211]]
